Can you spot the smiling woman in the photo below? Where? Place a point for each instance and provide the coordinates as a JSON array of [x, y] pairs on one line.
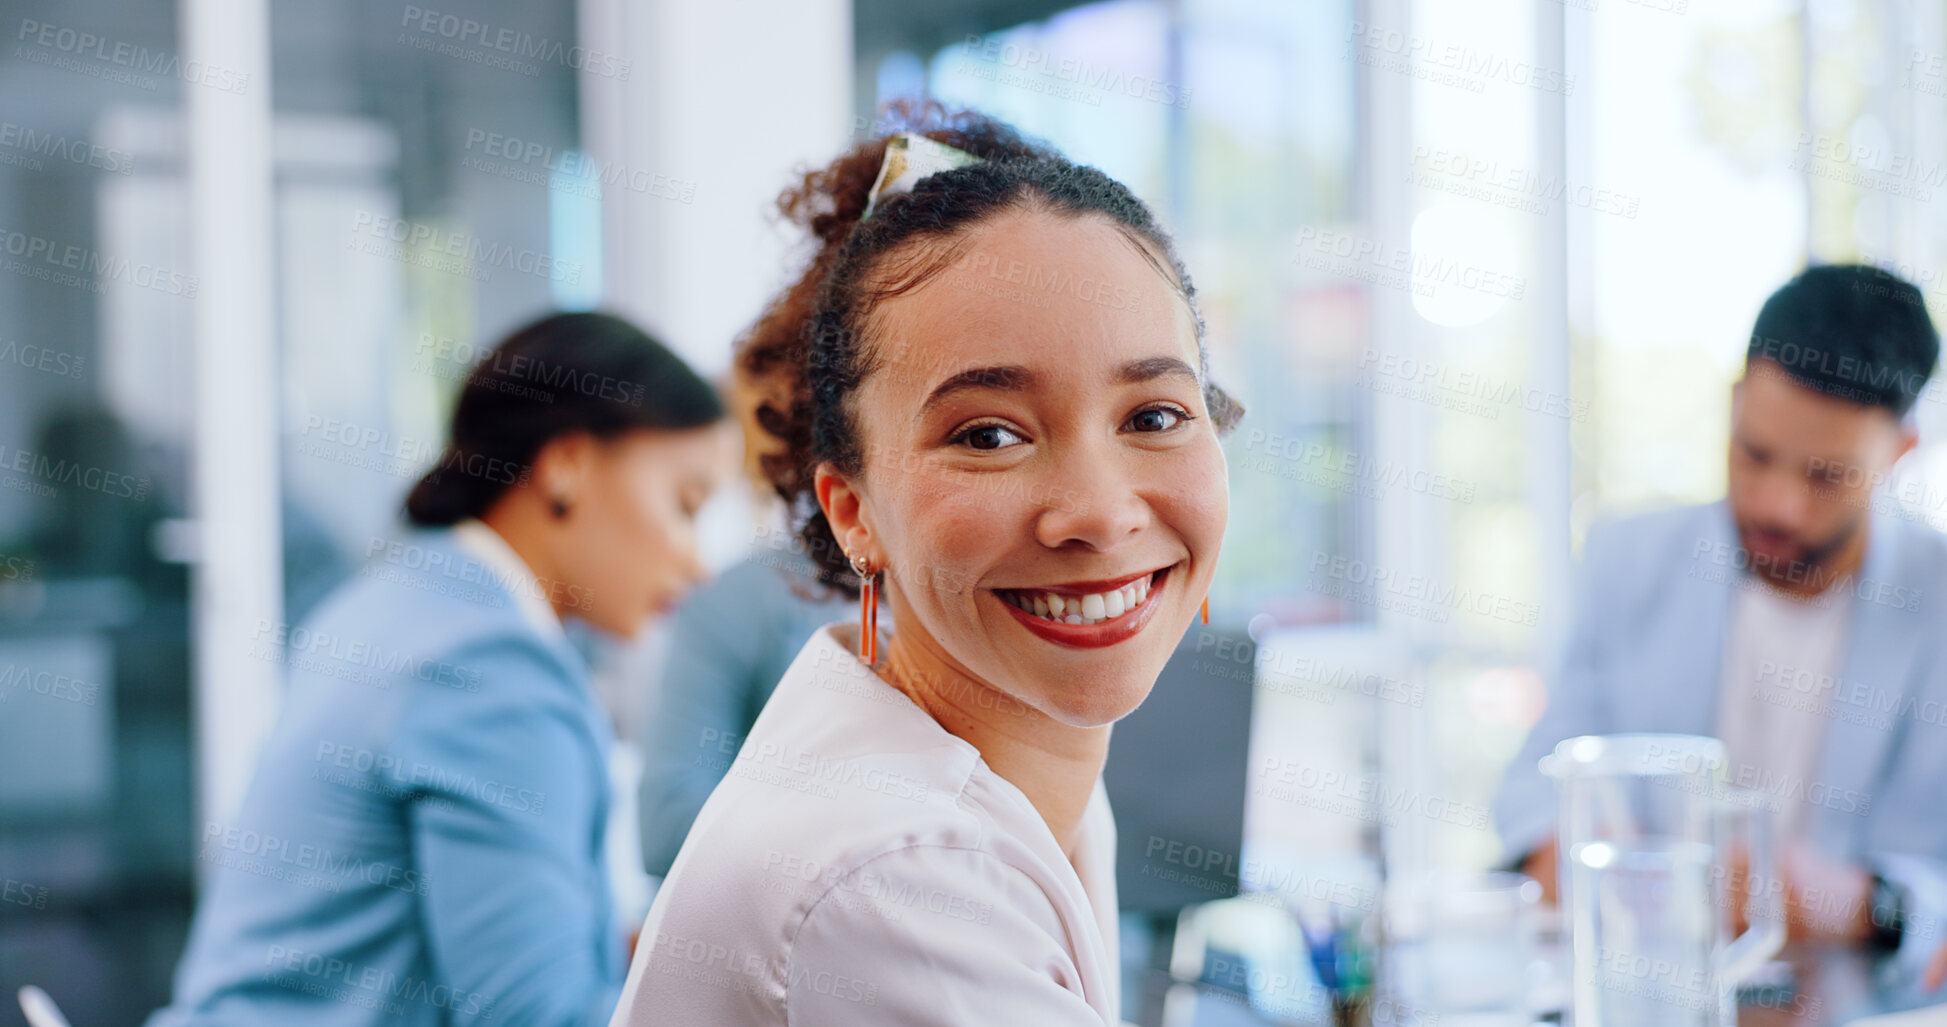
[[993, 409]]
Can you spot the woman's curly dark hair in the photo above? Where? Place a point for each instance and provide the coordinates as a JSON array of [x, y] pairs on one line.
[[811, 349]]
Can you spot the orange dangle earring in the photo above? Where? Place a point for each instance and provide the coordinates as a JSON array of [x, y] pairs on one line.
[[868, 611], [1206, 609]]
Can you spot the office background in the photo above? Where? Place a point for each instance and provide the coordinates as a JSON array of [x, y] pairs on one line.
[[1482, 273]]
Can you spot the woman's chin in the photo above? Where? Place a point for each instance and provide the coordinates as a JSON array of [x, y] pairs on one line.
[[1083, 706], [622, 628]]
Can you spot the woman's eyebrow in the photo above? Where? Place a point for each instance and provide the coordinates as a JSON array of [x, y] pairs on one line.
[[1015, 378], [1006, 378], [1150, 368]]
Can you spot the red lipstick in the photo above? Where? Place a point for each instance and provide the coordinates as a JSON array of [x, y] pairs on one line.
[[1093, 636]]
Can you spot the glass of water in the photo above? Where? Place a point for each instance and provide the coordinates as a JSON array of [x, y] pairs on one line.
[[1658, 860], [1473, 955]]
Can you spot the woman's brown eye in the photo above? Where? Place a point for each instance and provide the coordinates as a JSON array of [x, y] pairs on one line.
[[1155, 419], [986, 437]]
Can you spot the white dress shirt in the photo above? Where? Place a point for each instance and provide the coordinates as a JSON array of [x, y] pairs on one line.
[[1781, 661], [861, 865]]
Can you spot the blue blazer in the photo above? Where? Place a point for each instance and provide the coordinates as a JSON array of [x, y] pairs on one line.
[[423, 841], [1645, 652]]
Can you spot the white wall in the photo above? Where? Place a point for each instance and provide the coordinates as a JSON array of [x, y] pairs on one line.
[[730, 96], [724, 101]]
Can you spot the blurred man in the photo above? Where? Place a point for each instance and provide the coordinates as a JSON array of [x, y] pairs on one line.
[[1796, 620]]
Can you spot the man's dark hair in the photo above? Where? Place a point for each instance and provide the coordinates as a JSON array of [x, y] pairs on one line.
[[1851, 331]]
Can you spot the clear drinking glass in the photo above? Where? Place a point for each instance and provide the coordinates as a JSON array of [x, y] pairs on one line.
[[1473, 954], [1654, 846]]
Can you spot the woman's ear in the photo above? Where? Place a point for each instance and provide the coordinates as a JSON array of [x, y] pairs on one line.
[[562, 466], [844, 508]]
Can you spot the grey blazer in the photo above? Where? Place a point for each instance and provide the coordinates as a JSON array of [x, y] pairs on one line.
[[1644, 653]]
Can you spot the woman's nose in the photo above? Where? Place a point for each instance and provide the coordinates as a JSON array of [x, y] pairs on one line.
[[1092, 499]]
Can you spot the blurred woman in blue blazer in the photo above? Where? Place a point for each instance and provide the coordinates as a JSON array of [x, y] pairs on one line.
[[423, 841]]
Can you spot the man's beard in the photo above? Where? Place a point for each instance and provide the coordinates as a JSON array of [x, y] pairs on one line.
[[1807, 565]]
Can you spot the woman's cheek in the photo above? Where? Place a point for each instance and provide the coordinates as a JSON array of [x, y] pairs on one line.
[[1203, 498], [948, 515], [948, 537]]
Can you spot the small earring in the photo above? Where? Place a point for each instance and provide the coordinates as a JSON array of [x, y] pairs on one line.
[[868, 610], [558, 505], [1206, 609]]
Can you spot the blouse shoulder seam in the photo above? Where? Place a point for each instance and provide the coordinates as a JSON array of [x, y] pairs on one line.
[[791, 937]]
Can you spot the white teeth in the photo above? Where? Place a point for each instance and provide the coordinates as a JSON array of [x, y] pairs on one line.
[[1087, 609]]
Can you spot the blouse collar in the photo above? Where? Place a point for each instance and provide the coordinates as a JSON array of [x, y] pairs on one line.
[[485, 544], [1093, 862]]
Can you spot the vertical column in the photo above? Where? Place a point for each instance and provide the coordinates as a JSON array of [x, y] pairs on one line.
[[1550, 485], [238, 579], [723, 102], [1408, 530]]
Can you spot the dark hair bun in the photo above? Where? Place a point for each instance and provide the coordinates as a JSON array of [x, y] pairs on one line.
[[563, 374]]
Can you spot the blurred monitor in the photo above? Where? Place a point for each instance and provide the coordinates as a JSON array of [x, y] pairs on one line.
[[56, 724], [1176, 778]]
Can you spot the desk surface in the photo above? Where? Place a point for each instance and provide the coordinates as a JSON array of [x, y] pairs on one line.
[[1831, 988], [1834, 987]]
